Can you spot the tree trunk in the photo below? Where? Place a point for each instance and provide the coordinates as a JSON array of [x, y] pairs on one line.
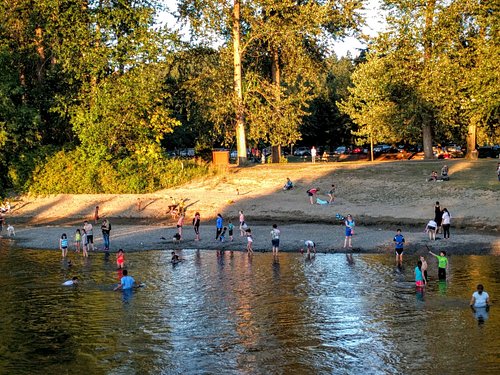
[[238, 94], [275, 73], [41, 53], [426, 122], [471, 141], [427, 139]]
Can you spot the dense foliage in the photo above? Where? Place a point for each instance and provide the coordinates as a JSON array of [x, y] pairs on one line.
[[93, 92]]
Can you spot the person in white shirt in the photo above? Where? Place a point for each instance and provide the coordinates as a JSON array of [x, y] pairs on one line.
[[446, 222], [431, 229], [275, 239], [71, 282], [313, 154], [480, 298]]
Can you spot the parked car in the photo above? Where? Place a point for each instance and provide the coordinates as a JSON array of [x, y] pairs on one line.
[[381, 149], [340, 150], [187, 153], [302, 151]]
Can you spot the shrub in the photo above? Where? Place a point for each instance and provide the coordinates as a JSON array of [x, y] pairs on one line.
[[72, 172]]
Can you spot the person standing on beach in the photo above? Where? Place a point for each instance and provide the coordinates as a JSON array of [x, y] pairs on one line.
[[331, 194], [180, 223], [275, 239], [438, 216], [431, 229], [242, 224], [219, 225], [106, 230], [399, 241], [313, 154], [248, 233], [230, 229], [498, 172], [446, 223], [312, 194], [96, 214], [349, 226], [442, 264], [196, 226], [90, 235]]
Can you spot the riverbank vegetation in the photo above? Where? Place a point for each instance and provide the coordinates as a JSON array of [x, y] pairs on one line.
[[94, 93]]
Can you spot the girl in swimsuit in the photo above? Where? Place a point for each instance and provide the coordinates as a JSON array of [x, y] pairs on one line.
[[120, 259]]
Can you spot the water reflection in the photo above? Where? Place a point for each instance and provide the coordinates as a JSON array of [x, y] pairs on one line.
[[223, 312]]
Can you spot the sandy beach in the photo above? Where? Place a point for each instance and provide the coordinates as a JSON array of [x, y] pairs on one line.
[[381, 196]]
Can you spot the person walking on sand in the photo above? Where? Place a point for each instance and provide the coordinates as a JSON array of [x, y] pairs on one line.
[[399, 241], [442, 264], [446, 223], [230, 229], [331, 194], [248, 233], [63, 245], [180, 223], [242, 224], [349, 225], [106, 230], [196, 226], [219, 225], [431, 229], [312, 194], [313, 154], [90, 235], [275, 239]]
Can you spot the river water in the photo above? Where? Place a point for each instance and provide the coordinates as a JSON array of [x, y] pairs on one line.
[[228, 314]]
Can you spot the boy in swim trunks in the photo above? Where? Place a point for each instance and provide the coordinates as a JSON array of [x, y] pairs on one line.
[[399, 241]]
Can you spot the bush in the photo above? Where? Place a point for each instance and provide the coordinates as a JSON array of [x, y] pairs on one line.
[[71, 172]]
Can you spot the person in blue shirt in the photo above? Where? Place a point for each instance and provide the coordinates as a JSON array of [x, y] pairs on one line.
[[63, 245], [127, 282], [399, 240], [219, 226]]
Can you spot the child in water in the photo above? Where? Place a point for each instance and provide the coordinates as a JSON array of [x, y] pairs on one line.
[[78, 240], [85, 243], [63, 245], [419, 277], [442, 264], [120, 259], [175, 258], [222, 236]]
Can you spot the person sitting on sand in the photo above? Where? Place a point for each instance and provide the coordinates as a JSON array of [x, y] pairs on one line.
[[433, 177], [288, 185], [444, 173]]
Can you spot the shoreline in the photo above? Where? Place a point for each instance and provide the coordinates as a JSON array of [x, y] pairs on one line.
[[328, 238]]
